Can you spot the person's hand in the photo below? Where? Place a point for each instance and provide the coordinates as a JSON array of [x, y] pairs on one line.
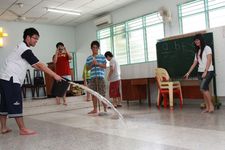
[[186, 76], [94, 62], [204, 74], [58, 78]]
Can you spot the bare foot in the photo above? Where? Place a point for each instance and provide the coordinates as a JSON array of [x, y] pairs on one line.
[[211, 110], [105, 109], [65, 103], [93, 112], [58, 103], [4, 131], [27, 132], [205, 111]]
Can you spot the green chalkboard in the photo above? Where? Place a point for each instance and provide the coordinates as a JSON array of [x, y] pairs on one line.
[[177, 55]]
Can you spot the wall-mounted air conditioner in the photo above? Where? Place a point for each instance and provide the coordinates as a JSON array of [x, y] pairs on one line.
[[102, 21]]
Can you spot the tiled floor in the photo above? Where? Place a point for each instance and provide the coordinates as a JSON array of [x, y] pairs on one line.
[[70, 128]]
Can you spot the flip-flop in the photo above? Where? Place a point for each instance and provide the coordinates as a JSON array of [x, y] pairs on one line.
[[6, 131]]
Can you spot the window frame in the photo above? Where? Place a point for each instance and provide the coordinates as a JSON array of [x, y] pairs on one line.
[[206, 12], [145, 40]]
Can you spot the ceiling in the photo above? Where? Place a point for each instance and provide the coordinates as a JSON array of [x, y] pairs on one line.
[[34, 11]]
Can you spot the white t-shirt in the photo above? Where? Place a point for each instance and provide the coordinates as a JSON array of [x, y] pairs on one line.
[[15, 66], [203, 61], [116, 70]]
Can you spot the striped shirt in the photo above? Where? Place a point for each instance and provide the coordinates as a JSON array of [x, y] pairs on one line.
[[96, 71]]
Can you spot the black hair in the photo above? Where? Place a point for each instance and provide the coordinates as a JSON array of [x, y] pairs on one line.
[[202, 42], [29, 32], [96, 43], [59, 44], [108, 53]]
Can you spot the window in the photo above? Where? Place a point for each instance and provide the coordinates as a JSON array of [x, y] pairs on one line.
[[105, 40], [201, 14], [133, 41], [136, 40], [192, 15], [120, 46], [216, 13]]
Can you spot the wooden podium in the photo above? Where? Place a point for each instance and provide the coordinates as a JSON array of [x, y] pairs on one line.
[[49, 80]]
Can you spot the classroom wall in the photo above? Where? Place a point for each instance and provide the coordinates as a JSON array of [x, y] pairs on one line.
[[87, 33]]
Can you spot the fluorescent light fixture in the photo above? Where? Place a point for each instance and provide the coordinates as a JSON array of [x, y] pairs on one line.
[[63, 11]]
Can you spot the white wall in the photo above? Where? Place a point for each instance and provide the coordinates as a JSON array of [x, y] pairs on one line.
[[219, 45], [49, 36], [88, 32]]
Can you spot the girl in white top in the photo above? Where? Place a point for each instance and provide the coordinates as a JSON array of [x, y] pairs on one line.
[[203, 58]]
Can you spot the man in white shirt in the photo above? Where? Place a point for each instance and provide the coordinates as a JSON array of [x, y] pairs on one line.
[[114, 78], [12, 74]]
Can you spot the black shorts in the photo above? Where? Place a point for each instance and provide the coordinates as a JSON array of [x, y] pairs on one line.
[[11, 103], [204, 82]]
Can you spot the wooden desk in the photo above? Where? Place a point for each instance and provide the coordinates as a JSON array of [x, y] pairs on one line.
[[191, 89], [136, 89]]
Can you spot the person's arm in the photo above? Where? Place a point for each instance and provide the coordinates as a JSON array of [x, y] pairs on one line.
[[34, 62], [208, 63], [55, 56], [89, 66], [191, 69], [101, 65], [111, 69], [68, 54], [41, 66]]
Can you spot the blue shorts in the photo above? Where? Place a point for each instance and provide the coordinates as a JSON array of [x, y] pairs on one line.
[[204, 82], [11, 103]]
